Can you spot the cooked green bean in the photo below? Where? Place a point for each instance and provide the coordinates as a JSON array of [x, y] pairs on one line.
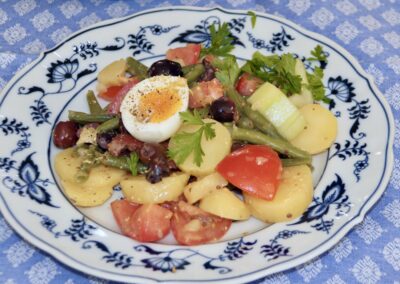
[[122, 163], [258, 119], [245, 122], [296, 162], [136, 68], [81, 117], [94, 105], [115, 162], [193, 72], [257, 137], [108, 125], [90, 160]]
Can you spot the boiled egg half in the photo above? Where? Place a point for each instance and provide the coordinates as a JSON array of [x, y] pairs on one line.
[[150, 110]]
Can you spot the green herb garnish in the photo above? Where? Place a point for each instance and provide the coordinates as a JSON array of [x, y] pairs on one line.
[[182, 144], [221, 41], [228, 70], [133, 160], [317, 54], [316, 86], [253, 18], [279, 71]]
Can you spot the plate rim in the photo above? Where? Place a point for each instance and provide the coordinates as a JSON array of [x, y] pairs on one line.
[[289, 264]]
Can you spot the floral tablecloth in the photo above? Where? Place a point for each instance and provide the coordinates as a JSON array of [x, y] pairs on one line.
[[369, 29]]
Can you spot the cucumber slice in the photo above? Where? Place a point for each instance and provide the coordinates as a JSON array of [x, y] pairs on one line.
[[305, 97], [272, 103]]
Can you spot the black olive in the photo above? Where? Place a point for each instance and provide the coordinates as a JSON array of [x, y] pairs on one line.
[[223, 110], [165, 67]]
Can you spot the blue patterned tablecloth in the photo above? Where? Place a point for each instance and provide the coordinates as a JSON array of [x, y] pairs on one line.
[[369, 29]]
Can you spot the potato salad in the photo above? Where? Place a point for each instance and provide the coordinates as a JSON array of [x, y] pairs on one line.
[[196, 142]]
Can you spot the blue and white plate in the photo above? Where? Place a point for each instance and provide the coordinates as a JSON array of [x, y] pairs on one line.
[[349, 178]]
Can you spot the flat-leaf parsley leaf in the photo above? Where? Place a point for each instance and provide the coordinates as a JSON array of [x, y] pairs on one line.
[[182, 144], [221, 41]]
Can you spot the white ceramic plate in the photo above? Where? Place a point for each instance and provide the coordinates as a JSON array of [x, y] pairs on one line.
[[349, 178]]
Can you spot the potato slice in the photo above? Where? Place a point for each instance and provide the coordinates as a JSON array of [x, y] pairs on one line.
[[86, 195], [112, 74], [320, 131], [138, 189], [66, 164], [292, 198], [197, 190], [225, 204], [214, 149], [95, 190]]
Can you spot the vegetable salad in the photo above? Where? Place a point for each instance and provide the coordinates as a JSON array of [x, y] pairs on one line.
[[196, 141]]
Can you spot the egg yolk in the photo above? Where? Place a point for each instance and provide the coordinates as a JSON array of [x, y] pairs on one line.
[[159, 104]]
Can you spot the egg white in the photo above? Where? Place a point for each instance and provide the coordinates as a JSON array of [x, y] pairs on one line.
[[149, 131]]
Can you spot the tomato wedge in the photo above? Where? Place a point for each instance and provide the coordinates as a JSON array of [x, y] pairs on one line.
[[247, 84], [186, 55], [255, 169], [150, 223], [145, 223], [119, 95], [123, 211], [193, 226]]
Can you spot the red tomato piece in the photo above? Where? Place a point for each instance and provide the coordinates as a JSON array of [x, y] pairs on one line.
[[247, 84], [186, 55], [204, 93], [123, 211], [150, 223], [193, 226], [122, 142], [113, 107], [110, 93], [255, 169]]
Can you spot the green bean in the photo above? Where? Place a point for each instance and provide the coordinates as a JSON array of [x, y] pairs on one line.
[[296, 162], [81, 117], [245, 122], [258, 119], [121, 163], [193, 72], [115, 162], [108, 125], [257, 137], [90, 159], [94, 105], [136, 68]]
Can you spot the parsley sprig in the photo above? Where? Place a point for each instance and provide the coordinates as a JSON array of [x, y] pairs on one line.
[[182, 144], [253, 18], [221, 41], [318, 54], [227, 70], [278, 70], [133, 161]]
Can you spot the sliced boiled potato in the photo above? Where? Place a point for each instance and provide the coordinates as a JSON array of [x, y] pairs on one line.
[[292, 198], [95, 190], [67, 164], [111, 75], [195, 191], [320, 131], [214, 149], [138, 189], [86, 195], [224, 203]]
